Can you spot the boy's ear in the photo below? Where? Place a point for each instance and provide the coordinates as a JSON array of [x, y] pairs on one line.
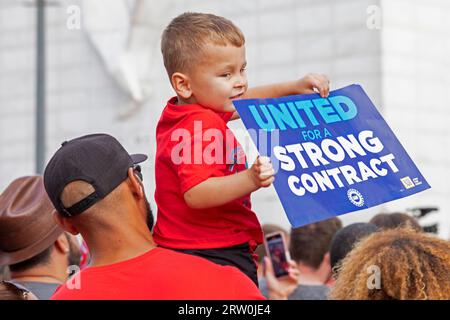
[[180, 82]]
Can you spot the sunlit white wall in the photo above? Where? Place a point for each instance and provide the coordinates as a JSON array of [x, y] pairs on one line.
[[403, 66]]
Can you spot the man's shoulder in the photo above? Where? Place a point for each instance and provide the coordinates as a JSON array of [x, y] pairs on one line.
[[310, 292], [71, 290], [63, 293], [195, 263], [42, 290], [165, 267], [231, 282]]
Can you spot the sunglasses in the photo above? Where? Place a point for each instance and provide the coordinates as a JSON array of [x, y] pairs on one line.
[[138, 171]]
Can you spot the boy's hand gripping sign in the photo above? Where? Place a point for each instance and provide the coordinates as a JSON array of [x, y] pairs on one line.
[[332, 155]]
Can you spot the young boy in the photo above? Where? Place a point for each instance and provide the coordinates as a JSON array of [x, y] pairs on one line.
[[202, 184]]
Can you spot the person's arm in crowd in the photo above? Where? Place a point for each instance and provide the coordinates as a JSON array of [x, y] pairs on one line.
[[307, 84], [281, 288], [217, 191]]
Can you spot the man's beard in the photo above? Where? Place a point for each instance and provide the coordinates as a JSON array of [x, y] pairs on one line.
[[74, 258], [149, 215]]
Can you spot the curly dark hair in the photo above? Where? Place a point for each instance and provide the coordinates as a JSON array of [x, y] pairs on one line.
[[413, 265]]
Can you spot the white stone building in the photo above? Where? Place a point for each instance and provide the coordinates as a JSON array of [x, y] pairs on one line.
[[402, 61]]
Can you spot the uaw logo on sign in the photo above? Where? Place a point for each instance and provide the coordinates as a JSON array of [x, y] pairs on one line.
[[333, 155], [355, 197]]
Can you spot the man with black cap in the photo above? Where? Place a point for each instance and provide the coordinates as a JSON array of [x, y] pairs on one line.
[[96, 187], [36, 250]]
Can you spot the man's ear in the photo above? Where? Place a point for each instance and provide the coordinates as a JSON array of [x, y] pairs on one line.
[[326, 259], [62, 244], [180, 83], [65, 224], [135, 183]]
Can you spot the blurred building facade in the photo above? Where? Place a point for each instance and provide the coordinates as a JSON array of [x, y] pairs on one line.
[[402, 61]]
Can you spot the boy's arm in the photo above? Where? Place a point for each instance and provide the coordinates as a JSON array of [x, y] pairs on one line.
[[307, 84], [304, 85], [217, 191]]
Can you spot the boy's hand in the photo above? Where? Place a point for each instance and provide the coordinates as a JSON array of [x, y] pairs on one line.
[[262, 172], [217, 191], [312, 82]]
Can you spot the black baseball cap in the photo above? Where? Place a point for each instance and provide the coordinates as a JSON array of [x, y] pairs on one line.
[[98, 159]]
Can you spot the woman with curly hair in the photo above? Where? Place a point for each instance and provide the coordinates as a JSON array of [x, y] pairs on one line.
[[395, 264]]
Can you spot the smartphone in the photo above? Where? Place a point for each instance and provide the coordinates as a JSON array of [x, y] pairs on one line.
[[277, 251]]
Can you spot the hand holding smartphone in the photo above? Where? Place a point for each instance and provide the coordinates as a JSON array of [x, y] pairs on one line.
[[276, 249]]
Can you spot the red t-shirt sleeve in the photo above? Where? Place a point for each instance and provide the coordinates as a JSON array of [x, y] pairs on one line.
[[207, 150], [226, 116]]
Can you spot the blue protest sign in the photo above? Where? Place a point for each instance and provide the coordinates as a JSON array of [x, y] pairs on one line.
[[332, 155]]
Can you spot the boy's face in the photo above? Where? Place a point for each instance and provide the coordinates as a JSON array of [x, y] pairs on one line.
[[219, 78]]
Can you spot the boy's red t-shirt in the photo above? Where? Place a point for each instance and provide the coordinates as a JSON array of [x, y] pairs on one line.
[[194, 144]]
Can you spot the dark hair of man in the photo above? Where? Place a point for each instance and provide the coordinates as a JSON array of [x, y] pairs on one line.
[[310, 243], [345, 239], [39, 259]]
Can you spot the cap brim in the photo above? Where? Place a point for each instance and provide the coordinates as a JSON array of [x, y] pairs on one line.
[[138, 158]]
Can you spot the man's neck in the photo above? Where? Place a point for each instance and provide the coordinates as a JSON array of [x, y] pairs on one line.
[[310, 276], [117, 246], [39, 274]]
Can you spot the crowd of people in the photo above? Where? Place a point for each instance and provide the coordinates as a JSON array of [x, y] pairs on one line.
[[390, 257], [206, 242]]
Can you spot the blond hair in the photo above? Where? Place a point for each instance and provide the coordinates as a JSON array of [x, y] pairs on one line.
[[411, 264], [184, 39]]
